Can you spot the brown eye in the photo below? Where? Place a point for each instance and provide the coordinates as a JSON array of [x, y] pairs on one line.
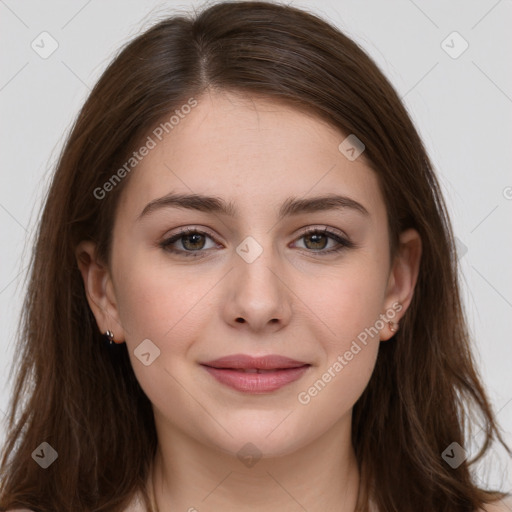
[[316, 241], [188, 242], [193, 241]]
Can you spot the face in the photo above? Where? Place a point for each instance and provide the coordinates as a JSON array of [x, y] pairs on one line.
[[272, 273]]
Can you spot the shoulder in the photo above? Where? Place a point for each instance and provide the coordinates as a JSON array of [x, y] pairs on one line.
[[504, 505], [135, 505]]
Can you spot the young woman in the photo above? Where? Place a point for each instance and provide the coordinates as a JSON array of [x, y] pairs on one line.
[[244, 291]]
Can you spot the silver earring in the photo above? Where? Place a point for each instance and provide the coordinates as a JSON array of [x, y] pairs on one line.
[[110, 337]]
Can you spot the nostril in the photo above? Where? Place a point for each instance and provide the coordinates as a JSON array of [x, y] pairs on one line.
[[240, 320]]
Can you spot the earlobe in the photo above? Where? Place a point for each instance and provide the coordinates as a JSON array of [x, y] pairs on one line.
[[403, 278], [99, 290]]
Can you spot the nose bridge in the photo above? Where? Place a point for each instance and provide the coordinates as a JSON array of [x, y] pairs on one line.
[[256, 258], [259, 296]]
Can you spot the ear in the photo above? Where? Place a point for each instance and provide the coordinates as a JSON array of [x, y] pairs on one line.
[[99, 290], [403, 277]]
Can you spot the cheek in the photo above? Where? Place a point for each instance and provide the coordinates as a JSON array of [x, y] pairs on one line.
[[154, 296], [162, 306], [350, 299], [158, 304], [350, 306], [351, 309], [330, 396]]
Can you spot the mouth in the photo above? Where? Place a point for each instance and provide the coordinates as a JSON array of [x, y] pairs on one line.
[[256, 375], [255, 370]]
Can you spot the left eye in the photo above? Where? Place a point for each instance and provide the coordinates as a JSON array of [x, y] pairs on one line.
[[318, 240]]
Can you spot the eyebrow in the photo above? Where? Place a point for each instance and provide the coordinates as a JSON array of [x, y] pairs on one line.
[[291, 206]]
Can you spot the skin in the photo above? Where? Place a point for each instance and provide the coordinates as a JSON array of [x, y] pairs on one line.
[[294, 302]]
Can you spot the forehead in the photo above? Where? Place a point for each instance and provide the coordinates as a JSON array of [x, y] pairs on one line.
[[252, 151]]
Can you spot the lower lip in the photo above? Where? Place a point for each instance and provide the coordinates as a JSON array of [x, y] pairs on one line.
[[257, 382]]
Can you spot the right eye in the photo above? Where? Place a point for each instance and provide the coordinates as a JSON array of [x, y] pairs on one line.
[[191, 240]]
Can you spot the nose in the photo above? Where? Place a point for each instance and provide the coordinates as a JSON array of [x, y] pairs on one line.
[[257, 293]]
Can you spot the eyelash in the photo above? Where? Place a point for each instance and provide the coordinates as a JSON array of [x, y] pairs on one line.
[[342, 241]]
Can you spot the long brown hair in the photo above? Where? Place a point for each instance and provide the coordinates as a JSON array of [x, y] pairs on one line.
[[84, 400]]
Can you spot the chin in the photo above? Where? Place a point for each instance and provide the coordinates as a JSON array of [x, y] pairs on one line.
[[261, 439]]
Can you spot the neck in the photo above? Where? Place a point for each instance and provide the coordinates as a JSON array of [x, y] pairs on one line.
[[189, 476]]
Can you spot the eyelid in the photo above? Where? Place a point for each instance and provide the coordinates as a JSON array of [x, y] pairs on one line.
[[326, 229], [189, 229], [304, 231], [175, 236], [340, 237], [333, 233]]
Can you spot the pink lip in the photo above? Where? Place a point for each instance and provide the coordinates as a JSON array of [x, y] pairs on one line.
[[278, 371]]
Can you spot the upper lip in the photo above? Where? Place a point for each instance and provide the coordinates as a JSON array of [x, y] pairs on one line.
[[244, 361]]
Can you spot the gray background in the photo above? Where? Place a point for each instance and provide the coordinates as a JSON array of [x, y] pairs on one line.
[[462, 107]]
